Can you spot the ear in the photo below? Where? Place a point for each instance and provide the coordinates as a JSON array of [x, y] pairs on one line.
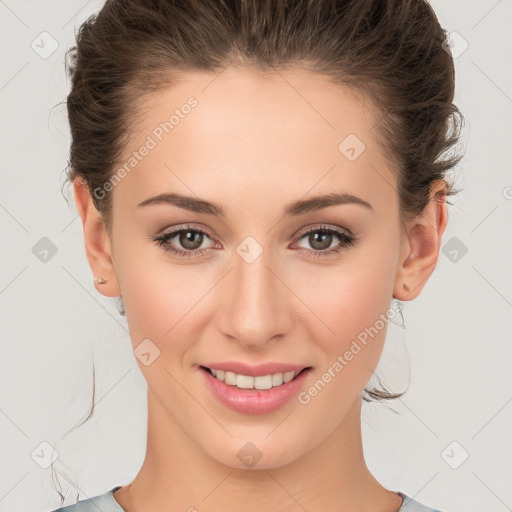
[[421, 244], [97, 241]]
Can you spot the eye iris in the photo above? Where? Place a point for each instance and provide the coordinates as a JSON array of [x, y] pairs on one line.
[[191, 240], [313, 239]]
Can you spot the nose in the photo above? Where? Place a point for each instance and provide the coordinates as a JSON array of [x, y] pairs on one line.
[[256, 309]]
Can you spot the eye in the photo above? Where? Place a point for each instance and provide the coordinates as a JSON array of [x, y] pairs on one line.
[[188, 237], [320, 238]]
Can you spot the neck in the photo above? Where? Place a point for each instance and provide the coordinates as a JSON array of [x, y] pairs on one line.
[[177, 475]]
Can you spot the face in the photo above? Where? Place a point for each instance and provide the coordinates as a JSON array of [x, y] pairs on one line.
[[264, 275]]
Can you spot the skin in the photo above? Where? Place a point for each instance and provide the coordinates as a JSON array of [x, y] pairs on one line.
[[253, 144]]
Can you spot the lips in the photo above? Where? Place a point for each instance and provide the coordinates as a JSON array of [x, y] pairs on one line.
[[249, 400]]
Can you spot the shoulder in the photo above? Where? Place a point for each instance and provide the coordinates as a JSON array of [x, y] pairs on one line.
[[104, 502], [410, 505]]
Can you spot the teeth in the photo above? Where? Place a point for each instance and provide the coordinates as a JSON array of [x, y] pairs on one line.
[[248, 382], [277, 379]]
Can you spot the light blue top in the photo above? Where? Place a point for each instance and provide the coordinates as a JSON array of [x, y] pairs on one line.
[[107, 503]]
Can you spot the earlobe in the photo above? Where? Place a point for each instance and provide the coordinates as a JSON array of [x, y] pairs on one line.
[[97, 242], [420, 250]]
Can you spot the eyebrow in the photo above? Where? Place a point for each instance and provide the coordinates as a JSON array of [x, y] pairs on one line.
[[296, 208]]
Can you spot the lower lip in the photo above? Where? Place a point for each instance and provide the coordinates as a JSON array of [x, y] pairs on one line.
[[254, 401]]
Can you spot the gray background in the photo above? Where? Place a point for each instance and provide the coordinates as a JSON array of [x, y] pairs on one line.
[[456, 344]]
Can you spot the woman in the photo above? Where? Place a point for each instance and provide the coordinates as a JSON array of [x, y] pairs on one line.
[[260, 181]]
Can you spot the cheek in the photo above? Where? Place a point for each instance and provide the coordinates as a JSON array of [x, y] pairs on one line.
[[159, 302], [352, 307], [157, 296]]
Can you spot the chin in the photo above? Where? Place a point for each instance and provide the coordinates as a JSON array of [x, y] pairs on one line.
[[257, 455]]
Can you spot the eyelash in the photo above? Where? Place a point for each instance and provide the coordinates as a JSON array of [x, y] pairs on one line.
[[345, 241]]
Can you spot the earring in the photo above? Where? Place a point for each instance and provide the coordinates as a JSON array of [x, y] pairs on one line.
[[100, 280]]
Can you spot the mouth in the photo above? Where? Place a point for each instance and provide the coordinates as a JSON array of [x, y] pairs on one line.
[[260, 382]]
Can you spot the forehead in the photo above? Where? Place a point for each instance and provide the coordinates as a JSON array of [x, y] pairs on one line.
[[247, 132]]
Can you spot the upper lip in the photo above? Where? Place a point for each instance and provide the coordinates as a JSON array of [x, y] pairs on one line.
[[257, 370]]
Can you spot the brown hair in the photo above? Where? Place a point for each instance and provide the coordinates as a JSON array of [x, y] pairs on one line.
[[392, 52]]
